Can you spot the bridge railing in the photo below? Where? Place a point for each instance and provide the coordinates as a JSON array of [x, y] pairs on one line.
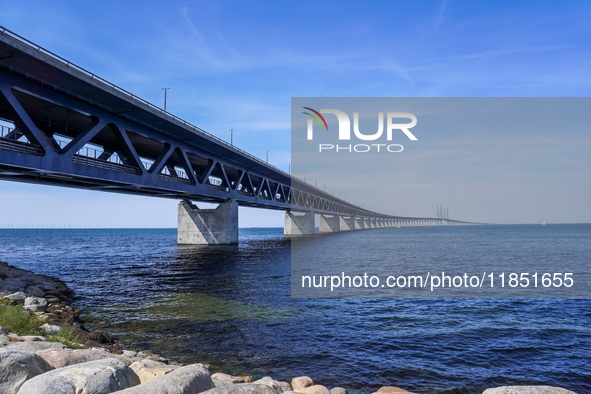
[[18, 142]]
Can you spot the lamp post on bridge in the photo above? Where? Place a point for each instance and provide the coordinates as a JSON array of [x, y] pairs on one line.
[[165, 90]]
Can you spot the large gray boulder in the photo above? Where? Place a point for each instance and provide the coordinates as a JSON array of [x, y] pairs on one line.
[[59, 358], [17, 366], [268, 381], [148, 370], [315, 389], [243, 388], [189, 379], [301, 382], [36, 346], [93, 377], [528, 390]]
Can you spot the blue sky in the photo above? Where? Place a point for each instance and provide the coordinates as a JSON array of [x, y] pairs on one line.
[[237, 64]]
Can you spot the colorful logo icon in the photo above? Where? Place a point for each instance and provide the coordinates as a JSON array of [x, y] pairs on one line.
[[315, 118]]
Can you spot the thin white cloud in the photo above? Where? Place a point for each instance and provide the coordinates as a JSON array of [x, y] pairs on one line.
[[441, 13], [512, 51]]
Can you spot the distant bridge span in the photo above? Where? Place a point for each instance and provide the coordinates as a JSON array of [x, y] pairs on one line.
[[65, 126]]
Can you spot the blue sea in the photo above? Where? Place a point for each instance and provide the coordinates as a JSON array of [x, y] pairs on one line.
[[231, 307]]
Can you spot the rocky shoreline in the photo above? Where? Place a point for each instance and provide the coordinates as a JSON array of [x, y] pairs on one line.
[[31, 364]]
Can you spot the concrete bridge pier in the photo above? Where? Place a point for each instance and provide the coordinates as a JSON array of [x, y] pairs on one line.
[[359, 223], [329, 224], [207, 226], [295, 225], [347, 223]]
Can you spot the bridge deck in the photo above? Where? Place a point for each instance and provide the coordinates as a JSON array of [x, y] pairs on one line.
[[66, 126]]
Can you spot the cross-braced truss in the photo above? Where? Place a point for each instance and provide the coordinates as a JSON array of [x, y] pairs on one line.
[[62, 125]]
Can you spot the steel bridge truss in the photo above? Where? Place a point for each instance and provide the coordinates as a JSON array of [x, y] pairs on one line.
[[61, 125], [52, 138]]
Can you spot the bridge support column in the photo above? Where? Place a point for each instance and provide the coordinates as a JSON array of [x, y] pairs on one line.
[[207, 226], [295, 225], [359, 223], [329, 224], [347, 223]]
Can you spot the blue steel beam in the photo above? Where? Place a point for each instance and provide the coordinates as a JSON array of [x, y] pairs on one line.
[[65, 111]]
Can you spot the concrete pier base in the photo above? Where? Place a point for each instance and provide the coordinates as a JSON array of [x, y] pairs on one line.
[[207, 226], [295, 225], [347, 223], [329, 224], [359, 223]]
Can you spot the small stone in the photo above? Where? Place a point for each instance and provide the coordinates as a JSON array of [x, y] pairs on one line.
[[130, 353], [14, 337], [35, 291], [338, 390], [232, 379], [268, 381], [315, 389], [65, 299], [244, 388], [50, 329], [301, 382], [35, 304], [52, 299], [151, 356], [528, 390], [392, 389], [3, 331]]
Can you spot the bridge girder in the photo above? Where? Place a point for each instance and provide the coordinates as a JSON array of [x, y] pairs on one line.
[[68, 127]]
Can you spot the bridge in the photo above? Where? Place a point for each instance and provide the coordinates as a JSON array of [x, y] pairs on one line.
[[63, 125]]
